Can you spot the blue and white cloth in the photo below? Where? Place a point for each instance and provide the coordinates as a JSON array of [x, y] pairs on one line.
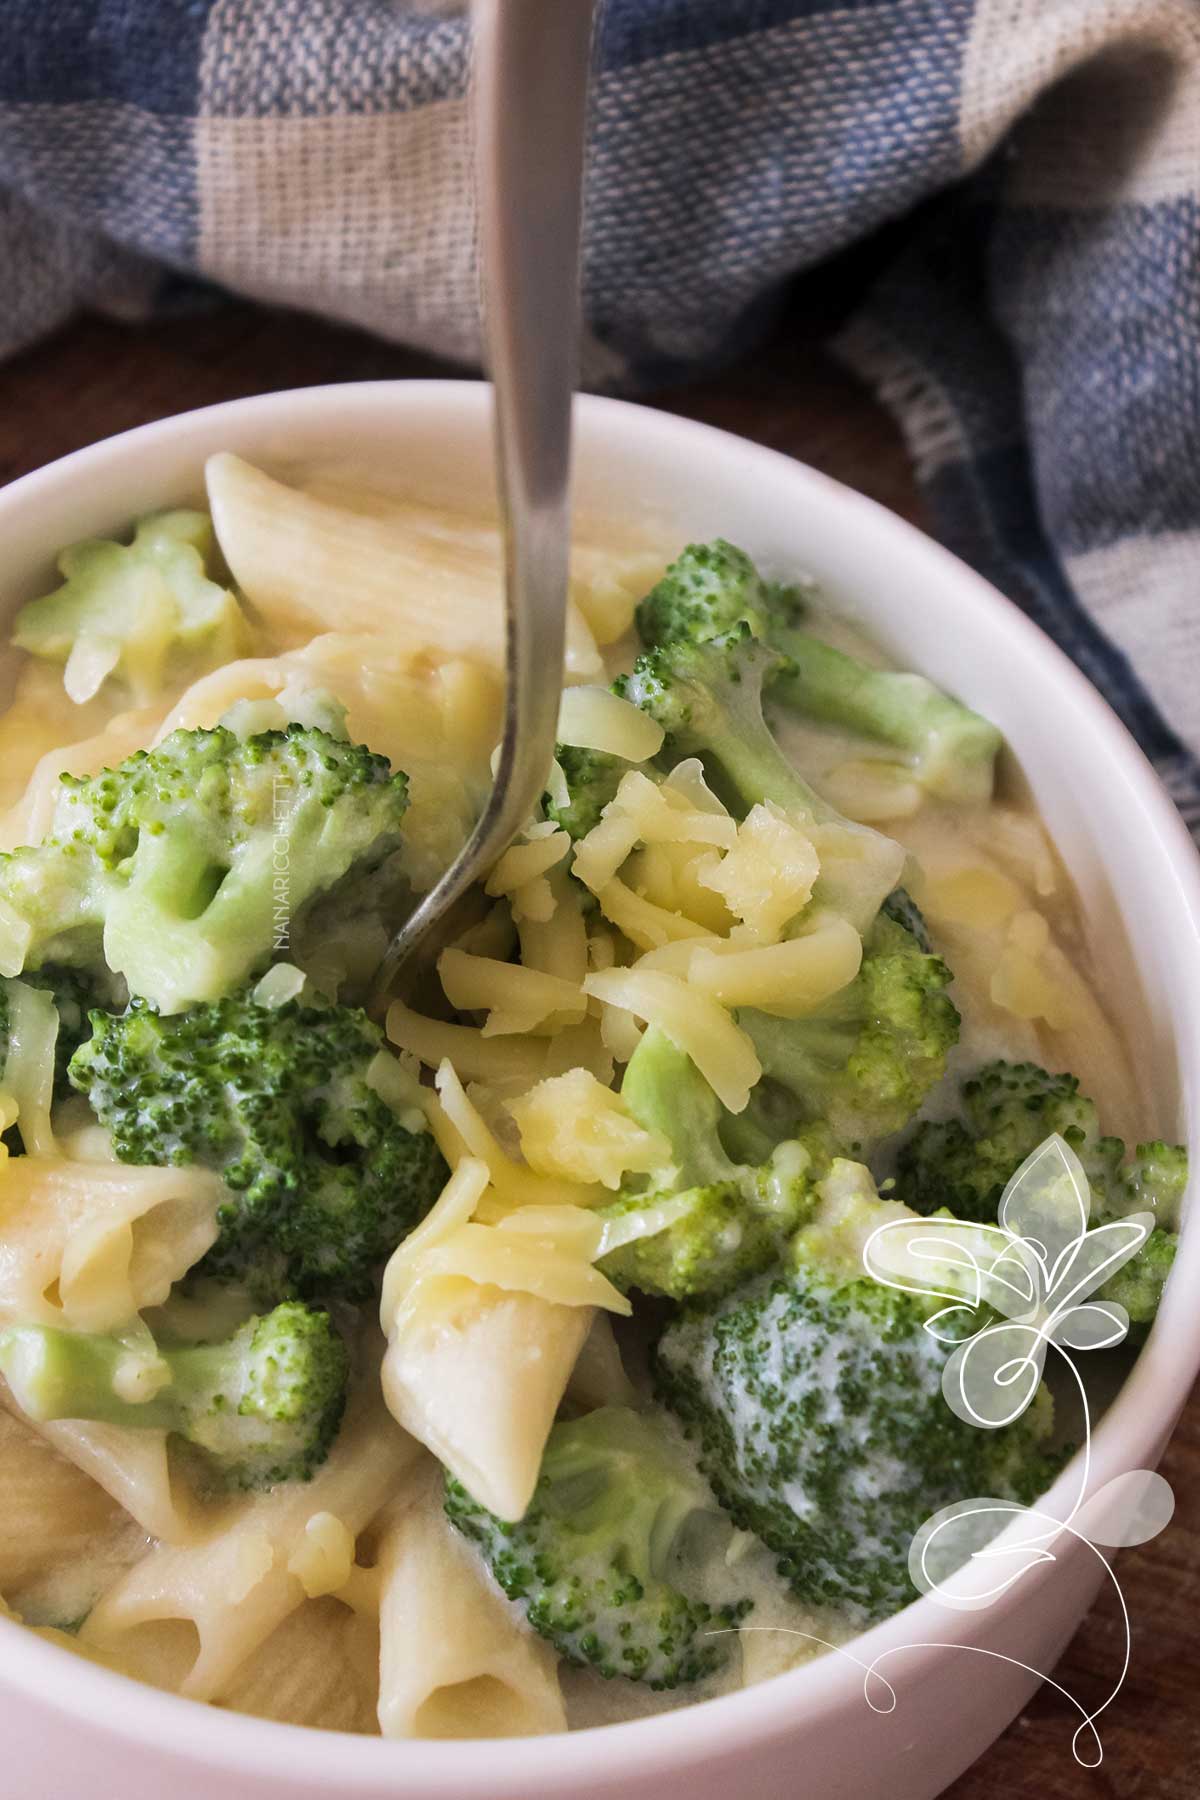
[[1036, 330]]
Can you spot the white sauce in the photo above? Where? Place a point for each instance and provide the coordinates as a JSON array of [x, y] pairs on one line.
[[780, 1631]]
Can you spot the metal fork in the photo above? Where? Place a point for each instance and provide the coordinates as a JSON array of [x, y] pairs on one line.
[[529, 106]]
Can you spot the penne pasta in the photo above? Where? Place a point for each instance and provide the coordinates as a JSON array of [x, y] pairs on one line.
[[454, 1661], [54, 1516], [319, 1667], [90, 1244], [304, 564], [232, 1584], [475, 1372]]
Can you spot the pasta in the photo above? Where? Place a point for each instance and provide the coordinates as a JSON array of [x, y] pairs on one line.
[[291, 552], [232, 1583], [599, 1378], [320, 1666], [608, 575], [40, 719], [28, 820], [453, 1660], [29, 1071], [476, 1362], [668, 1045], [53, 1516], [479, 1382], [91, 1244], [135, 1469]]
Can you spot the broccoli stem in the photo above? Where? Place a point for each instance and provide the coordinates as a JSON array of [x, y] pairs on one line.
[[725, 723], [712, 589], [950, 748], [666, 1093], [263, 1406], [66, 1375], [707, 696], [705, 1223], [74, 1375]]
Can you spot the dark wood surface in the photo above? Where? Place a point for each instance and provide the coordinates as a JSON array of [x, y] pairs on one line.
[[96, 378]]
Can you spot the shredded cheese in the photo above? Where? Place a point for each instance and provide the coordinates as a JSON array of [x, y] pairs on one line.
[[789, 980], [594, 718], [647, 812], [607, 582], [557, 945], [523, 863], [669, 875], [580, 1046], [516, 999], [975, 896], [1026, 981], [546, 1251], [572, 1126], [699, 1025], [495, 1060], [644, 924], [515, 1185], [767, 877]]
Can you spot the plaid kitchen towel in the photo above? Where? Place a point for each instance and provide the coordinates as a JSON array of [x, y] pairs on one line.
[[1038, 333]]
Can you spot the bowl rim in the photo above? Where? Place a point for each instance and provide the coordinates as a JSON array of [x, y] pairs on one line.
[[1137, 1422]]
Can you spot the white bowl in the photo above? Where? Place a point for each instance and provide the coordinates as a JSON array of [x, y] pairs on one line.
[[69, 1726]]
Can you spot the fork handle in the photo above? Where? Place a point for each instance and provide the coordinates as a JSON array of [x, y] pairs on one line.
[[530, 115]]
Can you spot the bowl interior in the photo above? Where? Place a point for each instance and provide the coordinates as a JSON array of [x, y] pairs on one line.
[[637, 468], [1132, 863]]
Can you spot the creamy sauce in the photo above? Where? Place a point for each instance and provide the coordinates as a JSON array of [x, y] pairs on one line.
[[1005, 844], [1002, 849]]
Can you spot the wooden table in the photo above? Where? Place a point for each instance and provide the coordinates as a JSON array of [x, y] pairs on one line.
[[96, 378]]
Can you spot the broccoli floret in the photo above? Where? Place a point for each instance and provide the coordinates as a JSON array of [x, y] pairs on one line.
[[708, 698], [286, 1103], [863, 1062], [709, 589], [1138, 1284], [815, 1398], [592, 778], [181, 868], [901, 907], [263, 1407], [1153, 1180], [714, 588], [1008, 1110], [136, 610], [595, 1562], [705, 1223]]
